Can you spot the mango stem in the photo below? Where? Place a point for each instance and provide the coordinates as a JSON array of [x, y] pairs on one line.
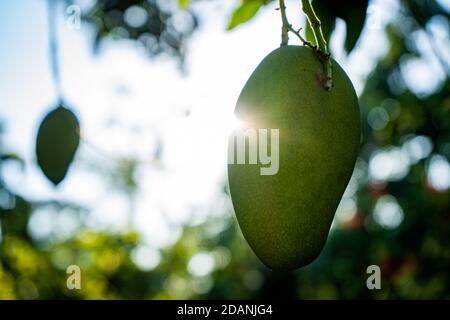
[[322, 47], [285, 24]]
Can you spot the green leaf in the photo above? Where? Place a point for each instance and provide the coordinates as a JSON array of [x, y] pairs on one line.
[[309, 33], [355, 17], [57, 141], [353, 12], [245, 12], [422, 11], [183, 4]]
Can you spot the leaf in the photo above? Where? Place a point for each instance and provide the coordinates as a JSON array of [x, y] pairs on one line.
[[183, 4], [422, 11], [57, 141], [245, 12], [355, 17], [353, 12], [309, 33], [328, 21]]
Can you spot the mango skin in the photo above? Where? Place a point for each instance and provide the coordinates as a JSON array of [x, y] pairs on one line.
[[286, 217]]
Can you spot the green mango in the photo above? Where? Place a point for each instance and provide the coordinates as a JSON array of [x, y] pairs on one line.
[[57, 142], [286, 216]]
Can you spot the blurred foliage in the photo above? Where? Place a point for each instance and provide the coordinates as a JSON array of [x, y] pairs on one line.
[[399, 219], [160, 26], [245, 11]]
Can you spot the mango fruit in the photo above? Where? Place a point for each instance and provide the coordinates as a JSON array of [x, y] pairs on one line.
[[57, 141], [286, 217]]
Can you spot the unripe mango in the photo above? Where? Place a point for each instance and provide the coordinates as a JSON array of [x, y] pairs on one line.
[[57, 142], [286, 217]]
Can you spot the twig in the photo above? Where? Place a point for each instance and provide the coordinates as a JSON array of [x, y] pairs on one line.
[[285, 26], [53, 47], [303, 40], [322, 47], [320, 50]]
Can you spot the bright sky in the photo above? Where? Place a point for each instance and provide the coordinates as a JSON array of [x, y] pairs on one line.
[[151, 104]]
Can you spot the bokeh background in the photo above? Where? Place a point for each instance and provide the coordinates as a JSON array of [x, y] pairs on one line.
[[145, 211]]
